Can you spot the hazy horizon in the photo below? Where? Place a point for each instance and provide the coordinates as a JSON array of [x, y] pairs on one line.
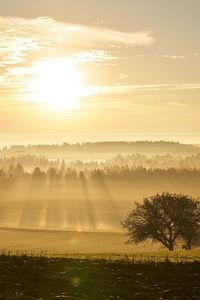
[[9, 139]]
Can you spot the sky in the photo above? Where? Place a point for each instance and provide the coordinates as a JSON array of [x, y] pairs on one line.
[[99, 69]]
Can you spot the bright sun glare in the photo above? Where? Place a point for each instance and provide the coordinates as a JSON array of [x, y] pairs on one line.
[[57, 83]]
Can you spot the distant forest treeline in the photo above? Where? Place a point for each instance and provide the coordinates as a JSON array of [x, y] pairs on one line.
[[140, 179], [167, 161], [145, 147]]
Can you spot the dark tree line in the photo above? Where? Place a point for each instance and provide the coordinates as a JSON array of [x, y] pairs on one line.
[[189, 178]]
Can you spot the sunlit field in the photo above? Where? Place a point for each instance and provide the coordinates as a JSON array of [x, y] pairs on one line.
[[108, 245]]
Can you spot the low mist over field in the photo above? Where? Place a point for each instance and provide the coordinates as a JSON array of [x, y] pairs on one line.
[[52, 186]]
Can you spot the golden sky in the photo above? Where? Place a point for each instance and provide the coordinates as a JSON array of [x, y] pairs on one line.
[[80, 67]]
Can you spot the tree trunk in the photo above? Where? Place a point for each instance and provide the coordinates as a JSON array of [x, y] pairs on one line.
[[171, 246], [189, 244]]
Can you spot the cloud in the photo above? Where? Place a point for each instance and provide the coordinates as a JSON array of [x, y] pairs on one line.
[[196, 54], [126, 89], [25, 41], [112, 36], [176, 104], [171, 56], [167, 56], [93, 56], [22, 36], [144, 98], [123, 76]]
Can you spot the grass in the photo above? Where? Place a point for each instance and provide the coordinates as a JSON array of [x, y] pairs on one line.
[[134, 257], [97, 277]]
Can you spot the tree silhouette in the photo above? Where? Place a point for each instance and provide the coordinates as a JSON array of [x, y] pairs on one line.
[[164, 218], [191, 230]]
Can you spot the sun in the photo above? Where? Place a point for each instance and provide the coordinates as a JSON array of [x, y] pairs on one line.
[[56, 84]]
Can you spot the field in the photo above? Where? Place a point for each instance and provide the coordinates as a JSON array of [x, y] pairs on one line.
[[108, 245], [62, 241], [48, 278], [53, 264], [56, 241]]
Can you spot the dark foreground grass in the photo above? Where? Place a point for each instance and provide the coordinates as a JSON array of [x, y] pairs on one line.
[[27, 278]]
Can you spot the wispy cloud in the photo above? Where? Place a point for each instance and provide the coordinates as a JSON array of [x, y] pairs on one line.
[[93, 56], [129, 89], [22, 36], [123, 76], [197, 54], [144, 98], [25, 41], [166, 56]]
